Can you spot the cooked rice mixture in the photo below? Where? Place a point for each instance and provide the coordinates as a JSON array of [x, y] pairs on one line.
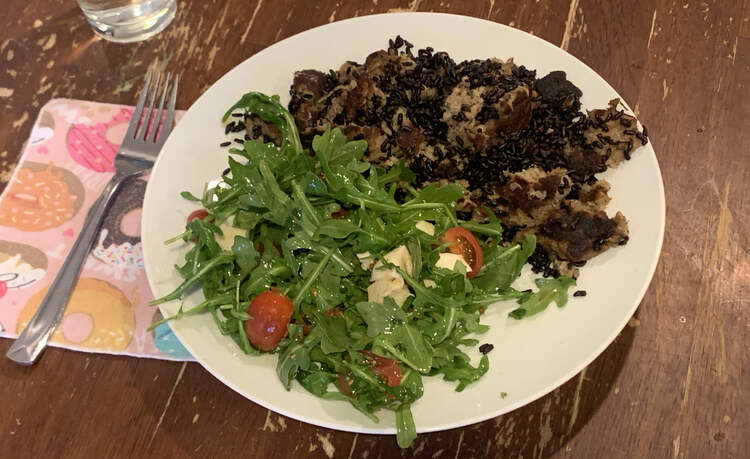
[[519, 144]]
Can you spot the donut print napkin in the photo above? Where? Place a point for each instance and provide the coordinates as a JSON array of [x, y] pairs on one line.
[[64, 167]]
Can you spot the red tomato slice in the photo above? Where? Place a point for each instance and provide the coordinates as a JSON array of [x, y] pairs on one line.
[[344, 383], [199, 214], [262, 248], [270, 313], [462, 242], [334, 312], [386, 368], [341, 213]]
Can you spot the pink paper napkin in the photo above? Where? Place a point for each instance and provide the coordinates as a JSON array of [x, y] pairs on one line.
[[64, 167]]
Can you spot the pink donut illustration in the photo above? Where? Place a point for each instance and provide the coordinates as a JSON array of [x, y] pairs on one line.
[[44, 129], [95, 146], [21, 266], [120, 238], [98, 316]]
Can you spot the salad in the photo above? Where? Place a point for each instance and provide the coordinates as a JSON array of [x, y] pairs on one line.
[[360, 283]]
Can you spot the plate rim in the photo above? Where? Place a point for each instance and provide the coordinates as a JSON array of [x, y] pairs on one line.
[[595, 353]]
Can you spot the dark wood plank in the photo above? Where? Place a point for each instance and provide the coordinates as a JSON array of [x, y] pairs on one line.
[[60, 406], [682, 67], [672, 385]]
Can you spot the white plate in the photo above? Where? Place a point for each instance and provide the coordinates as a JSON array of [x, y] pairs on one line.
[[532, 356]]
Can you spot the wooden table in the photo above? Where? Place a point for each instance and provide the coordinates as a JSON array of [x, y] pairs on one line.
[[674, 384]]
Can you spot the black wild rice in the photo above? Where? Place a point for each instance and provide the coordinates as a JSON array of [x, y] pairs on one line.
[[541, 263], [486, 348]]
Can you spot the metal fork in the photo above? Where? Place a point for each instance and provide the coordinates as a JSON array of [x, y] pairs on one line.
[[139, 149]]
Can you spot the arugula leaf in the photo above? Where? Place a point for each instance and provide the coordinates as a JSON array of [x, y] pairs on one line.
[[480, 298], [448, 193], [334, 336], [427, 296], [256, 151], [192, 311], [329, 292], [203, 271], [460, 369], [256, 189], [262, 277], [411, 383], [246, 219], [189, 196], [337, 228], [295, 357], [270, 109], [343, 152], [443, 326], [397, 173], [415, 250], [380, 318], [204, 230], [317, 383], [361, 375], [245, 254], [374, 236], [313, 185], [504, 265], [333, 146], [243, 339], [334, 152], [490, 228], [406, 431], [408, 345], [319, 267], [549, 290]]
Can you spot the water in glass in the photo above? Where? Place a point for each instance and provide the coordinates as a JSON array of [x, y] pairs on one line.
[[128, 20]]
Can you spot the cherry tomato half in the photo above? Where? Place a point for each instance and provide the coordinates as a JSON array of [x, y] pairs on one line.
[[386, 368], [199, 214], [463, 243], [341, 213], [262, 248], [330, 312], [270, 313], [344, 384]]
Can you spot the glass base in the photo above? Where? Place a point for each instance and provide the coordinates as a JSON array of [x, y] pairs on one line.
[[135, 30]]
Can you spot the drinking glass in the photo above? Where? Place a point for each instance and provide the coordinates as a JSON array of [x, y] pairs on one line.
[[126, 21]]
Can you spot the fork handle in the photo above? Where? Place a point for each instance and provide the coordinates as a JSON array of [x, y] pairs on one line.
[[32, 341]]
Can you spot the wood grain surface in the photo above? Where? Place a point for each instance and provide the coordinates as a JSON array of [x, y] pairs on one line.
[[674, 384]]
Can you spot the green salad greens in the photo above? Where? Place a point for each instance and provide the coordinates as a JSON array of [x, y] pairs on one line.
[[355, 250]]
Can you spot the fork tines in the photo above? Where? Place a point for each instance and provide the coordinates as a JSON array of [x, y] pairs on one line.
[[151, 124]]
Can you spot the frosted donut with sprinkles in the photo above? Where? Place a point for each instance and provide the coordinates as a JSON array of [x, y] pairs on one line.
[[41, 197]]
